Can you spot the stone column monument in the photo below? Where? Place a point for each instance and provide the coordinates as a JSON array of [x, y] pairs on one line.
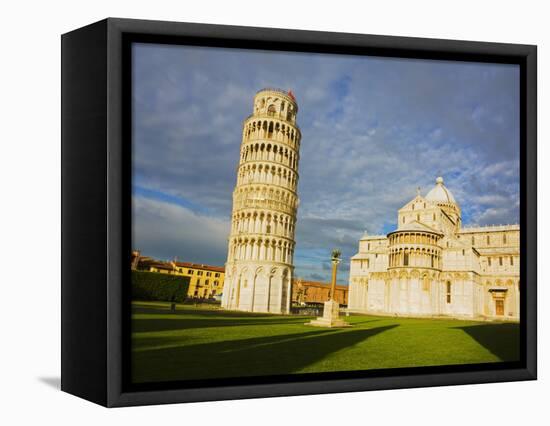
[[331, 311], [259, 267]]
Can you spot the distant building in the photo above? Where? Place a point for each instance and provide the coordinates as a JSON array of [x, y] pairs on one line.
[[142, 263], [134, 260], [161, 267], [314, 292], [206, 281], [432, 266]]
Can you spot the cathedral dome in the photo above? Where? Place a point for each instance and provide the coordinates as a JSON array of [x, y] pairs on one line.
[[440, 193]]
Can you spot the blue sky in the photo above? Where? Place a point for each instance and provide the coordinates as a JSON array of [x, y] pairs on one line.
[[373, 130]]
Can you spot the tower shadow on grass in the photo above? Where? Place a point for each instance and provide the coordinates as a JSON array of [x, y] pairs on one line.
[[360, 322], [502, 339], [182, 320], [164, 307], [183, 323], [273, 355]]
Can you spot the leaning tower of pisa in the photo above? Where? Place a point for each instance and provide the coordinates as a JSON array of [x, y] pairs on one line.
[[259, 267]]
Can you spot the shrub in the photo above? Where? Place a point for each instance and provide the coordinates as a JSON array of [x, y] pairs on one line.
[[154, 286]]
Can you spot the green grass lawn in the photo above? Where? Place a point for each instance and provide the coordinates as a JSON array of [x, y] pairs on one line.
[[200, 343]]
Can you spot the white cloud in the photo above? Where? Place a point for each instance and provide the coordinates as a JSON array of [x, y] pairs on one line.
[[168, 230]]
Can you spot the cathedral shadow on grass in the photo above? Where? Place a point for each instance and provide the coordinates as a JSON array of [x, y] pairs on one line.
[[273, 355], [501, 339]]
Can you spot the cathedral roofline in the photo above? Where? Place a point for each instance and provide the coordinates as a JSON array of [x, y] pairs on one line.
[[417, 199], [373, 237], [486, 228], [448, 217], [416, 226], [497, 250], [440, 193]]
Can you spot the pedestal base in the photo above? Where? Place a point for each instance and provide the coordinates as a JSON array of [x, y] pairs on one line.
[[330, 318]]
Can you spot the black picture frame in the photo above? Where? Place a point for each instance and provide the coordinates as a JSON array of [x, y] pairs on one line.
[[96, 210]]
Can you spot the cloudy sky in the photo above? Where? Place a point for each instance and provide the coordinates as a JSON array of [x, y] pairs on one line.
[[373, 130]]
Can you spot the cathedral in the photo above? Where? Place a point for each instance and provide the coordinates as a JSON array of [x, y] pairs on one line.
[[431, 266]]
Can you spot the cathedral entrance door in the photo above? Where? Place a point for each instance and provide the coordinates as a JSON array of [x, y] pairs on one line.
[[499, 307]]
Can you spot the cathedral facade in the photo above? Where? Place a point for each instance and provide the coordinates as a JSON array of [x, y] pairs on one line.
[[259, 267], [432, 266]]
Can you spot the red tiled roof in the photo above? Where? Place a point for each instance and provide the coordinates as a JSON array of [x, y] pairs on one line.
[[160, 265], [308, 283], [200, 266]]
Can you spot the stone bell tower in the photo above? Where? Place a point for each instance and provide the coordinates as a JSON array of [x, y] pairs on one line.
[[259, 267]]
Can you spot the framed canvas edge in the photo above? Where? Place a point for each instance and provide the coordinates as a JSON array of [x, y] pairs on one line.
[[83, 212], [530, 221], [117, 27], [317, 387]]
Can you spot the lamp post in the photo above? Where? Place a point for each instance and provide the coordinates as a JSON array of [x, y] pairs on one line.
[[331, 309], [335, 261]]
